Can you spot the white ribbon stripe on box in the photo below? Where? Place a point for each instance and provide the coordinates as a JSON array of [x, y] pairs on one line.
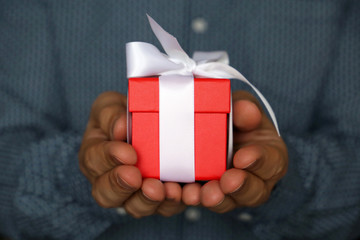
[[176, 95]]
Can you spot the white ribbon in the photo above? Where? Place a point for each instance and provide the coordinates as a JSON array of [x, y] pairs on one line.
[[144, 59], [176, 128]]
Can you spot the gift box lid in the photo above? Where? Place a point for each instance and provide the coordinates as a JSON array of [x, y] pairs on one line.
[[211, 95]]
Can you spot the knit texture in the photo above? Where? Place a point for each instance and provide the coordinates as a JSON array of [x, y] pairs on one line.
[[56, 57]]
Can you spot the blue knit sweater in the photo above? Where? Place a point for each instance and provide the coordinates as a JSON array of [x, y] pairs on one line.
[[57, 56]]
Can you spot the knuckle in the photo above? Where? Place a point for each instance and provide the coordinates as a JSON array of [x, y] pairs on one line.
[[280, 171], [90, 161], [83, 167], [107, 98], [256, 166], [100, 200], [170, 211], [245, 95], [85, 172], [80, 154], [165, 213], [113, 182], [81, 160], [220, 209], [277, 168], [104, 97], [261, 198], [108, 116], [109, 110], [133, 212]]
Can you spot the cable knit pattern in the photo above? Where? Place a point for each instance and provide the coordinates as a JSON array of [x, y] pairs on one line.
[[56, 57], [43, 197]]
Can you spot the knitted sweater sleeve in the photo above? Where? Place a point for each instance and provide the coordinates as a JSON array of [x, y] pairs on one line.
[[43, 195], [320, 195]]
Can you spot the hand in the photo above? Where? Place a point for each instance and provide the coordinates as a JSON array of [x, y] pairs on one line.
[[108, 162], [260, 160]]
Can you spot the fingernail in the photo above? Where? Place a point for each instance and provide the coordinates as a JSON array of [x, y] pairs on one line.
[[195, 204], [124, 184], [148, 198], [173, 200], [250, 164], [219, 203], [116, 159], [238, 188], [112, 130]]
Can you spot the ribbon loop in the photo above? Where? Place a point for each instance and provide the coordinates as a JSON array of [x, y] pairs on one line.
[[214, 56], [144, 59]]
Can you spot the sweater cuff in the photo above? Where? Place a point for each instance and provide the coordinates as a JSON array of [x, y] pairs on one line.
[[285, 203], [46, 195], [11, 167]]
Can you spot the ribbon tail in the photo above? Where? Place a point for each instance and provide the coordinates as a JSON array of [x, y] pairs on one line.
[[201, 57], [267, 106], [220, 70], [167, 41]]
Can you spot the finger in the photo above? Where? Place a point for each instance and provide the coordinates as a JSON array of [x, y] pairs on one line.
[[245, 188], [114, 187], [99, 156], [119, 130], [91, 138], [112, 121], [213, 198], [247, 113], [172, 204], [145, 201], [191, 194], [109, 112], [265, 161]]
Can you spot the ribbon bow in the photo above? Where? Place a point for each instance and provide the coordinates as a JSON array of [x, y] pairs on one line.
[[144, 59]]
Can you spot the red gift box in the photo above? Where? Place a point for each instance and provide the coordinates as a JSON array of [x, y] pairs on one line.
[[212, 106]]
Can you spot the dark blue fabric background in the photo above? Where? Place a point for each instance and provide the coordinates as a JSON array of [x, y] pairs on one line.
[[57, 56]]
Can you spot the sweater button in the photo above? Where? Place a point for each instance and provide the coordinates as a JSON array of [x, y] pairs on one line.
[[199, 25], [192, 214], [121, 211], [244, 217]]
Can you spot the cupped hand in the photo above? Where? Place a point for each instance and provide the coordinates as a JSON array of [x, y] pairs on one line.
[[259, 162], [108, 162]]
